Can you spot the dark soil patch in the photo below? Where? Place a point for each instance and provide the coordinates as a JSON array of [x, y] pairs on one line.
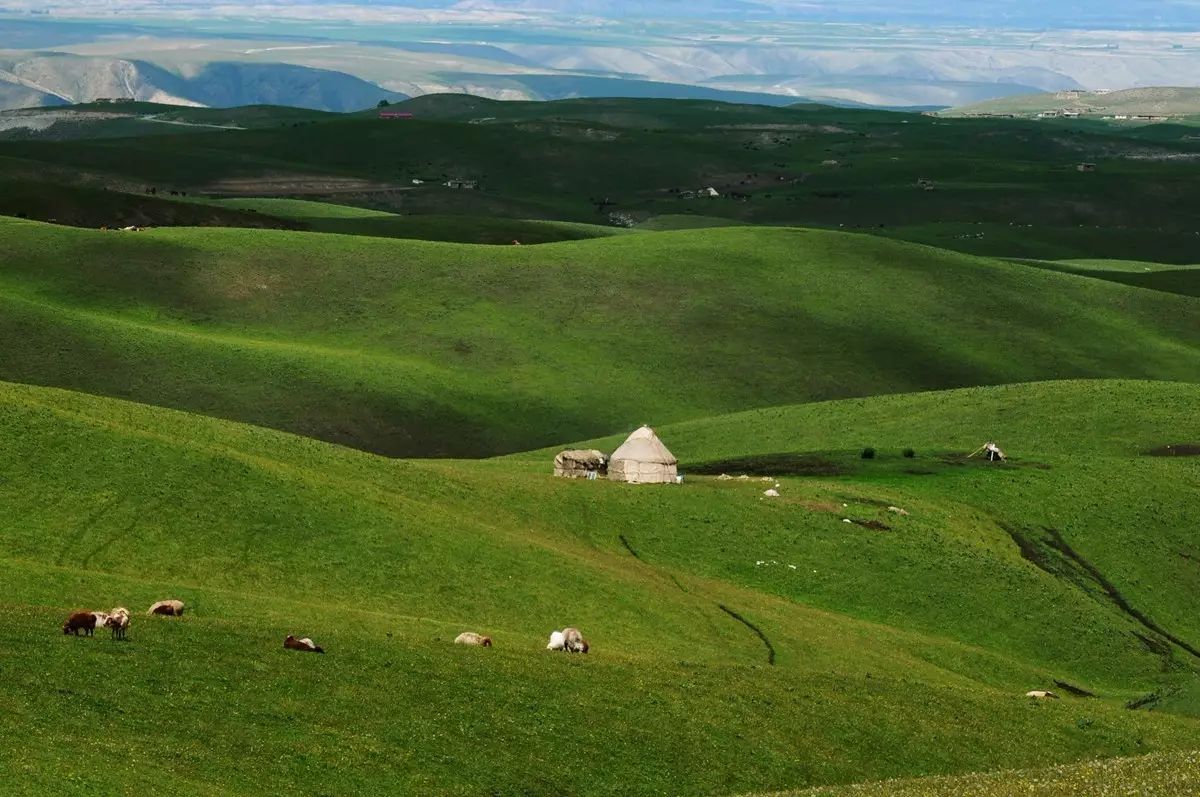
[[919, 472], [1051, 553], [1145, 700], [868, 501], [871, 524], [1155, 646], [771, 465], [755, 629], [1072, 689], [1175, 450]]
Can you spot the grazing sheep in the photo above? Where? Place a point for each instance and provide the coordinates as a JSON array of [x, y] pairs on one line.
[[573, 641], [88, 622], [471, 638], [118, 621], [772, 493], [557, 641], [169, 608], [305, 644], [1041, 694]]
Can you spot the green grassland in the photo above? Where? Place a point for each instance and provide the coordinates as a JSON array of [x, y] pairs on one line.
[[897, 653], [432, 349], [1182, 280], [612, 162], [351, 220], [1157, 775], [287, 429]]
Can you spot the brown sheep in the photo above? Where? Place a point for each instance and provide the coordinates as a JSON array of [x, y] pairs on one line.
[[88, 622], [305, 644], [169, 608]]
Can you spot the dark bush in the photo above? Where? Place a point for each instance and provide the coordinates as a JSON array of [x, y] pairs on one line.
[[868, 453], [909, 453]]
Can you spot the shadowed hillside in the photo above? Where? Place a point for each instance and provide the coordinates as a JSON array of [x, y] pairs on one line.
[[421, 349]]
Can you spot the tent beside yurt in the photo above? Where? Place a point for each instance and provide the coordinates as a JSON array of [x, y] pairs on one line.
[[643, 459], [580, 464]]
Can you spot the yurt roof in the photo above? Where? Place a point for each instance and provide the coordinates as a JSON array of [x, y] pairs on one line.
[[581, 455], [644, 446]]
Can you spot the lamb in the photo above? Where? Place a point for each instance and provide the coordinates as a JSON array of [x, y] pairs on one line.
[[305, 644], [169, 608], [118, 621], [573, 641], [88, 622], [1041, 694], [471, 638], [557, 641]]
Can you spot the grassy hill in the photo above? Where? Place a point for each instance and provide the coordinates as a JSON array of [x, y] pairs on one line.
[[426, 349], [1183, 280], [896, 653], [350, 220], [1160, 775], [1164, 101], [994, 187]]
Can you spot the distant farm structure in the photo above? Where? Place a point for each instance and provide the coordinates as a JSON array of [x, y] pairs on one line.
[[395, 115]]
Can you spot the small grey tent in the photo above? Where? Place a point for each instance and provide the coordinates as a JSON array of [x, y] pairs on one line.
[[580, 464], [642, 459]]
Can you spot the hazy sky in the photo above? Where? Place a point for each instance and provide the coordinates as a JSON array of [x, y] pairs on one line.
[[1116, 14]]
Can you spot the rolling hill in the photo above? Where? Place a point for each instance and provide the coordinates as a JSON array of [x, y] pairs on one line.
[[1160, 101], [429, 349], [768, 639], [1003, 188]]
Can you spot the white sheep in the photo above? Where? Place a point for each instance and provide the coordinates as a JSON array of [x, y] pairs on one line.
[[557, 641], [471, 638], [118, 621], [1041, 694]]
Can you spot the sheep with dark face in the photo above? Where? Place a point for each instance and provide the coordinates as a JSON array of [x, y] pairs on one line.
[[169, 608], [87, 622], [573, 641], [118, 621], [305, 644], [471, 638]]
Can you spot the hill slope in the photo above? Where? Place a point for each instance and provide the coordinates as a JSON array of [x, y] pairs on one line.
[[423, 349], [1165, 101], [992, 187], [879, 641]]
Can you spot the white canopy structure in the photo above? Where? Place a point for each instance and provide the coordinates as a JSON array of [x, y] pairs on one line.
[[643, 459]]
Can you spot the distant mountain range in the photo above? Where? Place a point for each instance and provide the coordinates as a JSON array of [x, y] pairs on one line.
[[59, 79], [351, 55]]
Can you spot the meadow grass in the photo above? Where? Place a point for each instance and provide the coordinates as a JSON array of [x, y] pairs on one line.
[[1155, 775], [351, 220], [898, 653]]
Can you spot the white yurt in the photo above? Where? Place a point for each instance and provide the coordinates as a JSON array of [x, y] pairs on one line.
[[642, 459]]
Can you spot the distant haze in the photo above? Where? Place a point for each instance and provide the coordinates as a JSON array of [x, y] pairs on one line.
[[339, 55]]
